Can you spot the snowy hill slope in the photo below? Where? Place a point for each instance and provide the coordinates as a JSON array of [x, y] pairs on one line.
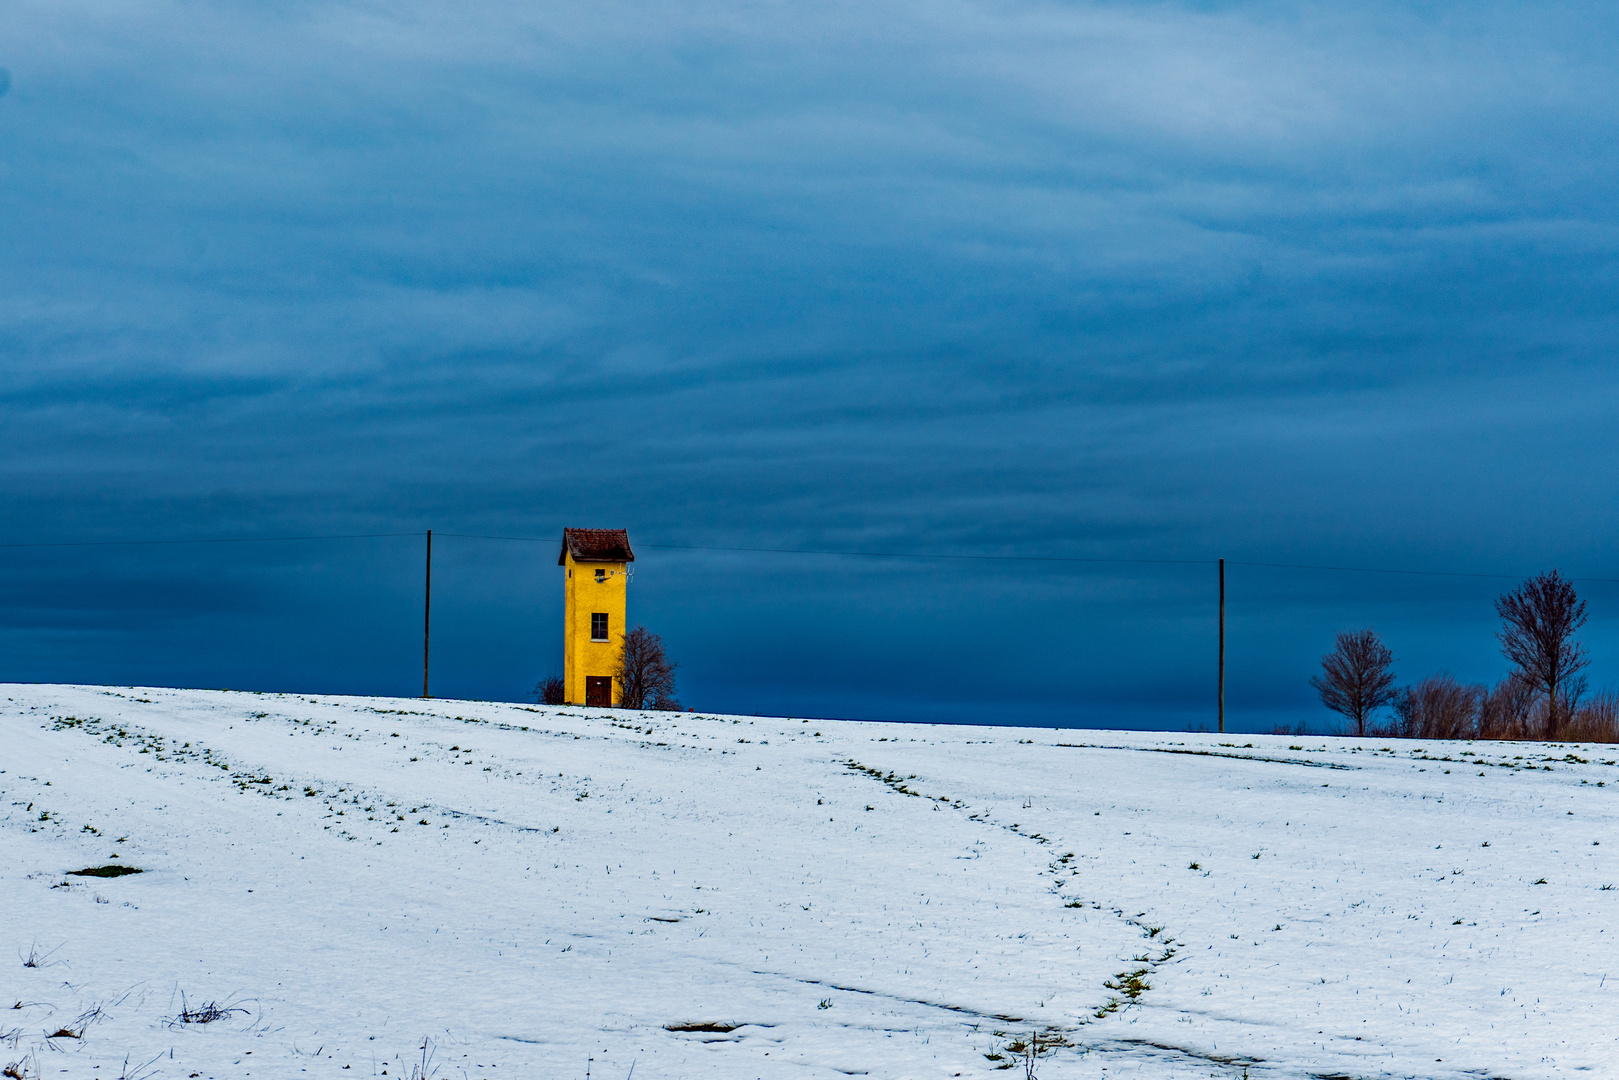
[[531, 891]]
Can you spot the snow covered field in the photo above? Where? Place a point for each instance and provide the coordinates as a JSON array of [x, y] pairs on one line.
[[531, 892]]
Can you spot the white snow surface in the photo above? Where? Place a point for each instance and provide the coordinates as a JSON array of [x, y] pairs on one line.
[[513, 891]]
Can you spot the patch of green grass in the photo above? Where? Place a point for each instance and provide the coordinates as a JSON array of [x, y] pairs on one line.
[[1130, 986]]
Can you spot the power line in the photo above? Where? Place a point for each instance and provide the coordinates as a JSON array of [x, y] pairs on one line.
[[1038, 558], [208, 540], [860, 554], [932, 555], [1413, 573], [823, 552], [524, 539]]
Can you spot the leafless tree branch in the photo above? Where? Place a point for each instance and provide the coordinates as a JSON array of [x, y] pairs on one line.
[[647, 676], [1355, 677], [1539, 619]]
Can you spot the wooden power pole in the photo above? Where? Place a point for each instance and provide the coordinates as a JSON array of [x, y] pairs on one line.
[[1222, 646], [427, 613]]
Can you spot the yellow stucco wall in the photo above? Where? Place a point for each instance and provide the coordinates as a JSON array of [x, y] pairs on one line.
[[585, 595]]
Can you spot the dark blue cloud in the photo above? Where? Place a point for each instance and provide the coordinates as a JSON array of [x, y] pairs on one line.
[[1280, 282]]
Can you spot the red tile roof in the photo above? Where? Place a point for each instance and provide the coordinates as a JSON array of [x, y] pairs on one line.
[[596, 545]]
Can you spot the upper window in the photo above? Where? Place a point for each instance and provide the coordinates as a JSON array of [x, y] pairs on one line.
[[598, 626], [601, 575]]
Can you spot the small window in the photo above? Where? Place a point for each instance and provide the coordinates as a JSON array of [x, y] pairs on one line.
[[598, 626], [601, 575]]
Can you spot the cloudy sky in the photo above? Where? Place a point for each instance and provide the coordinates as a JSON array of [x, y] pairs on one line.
[[1285, 283]]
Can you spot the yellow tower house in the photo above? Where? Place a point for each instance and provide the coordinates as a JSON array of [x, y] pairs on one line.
[[598, 569]]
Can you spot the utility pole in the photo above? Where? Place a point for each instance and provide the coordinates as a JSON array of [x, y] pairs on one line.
[[427, 613], [1222, 644]]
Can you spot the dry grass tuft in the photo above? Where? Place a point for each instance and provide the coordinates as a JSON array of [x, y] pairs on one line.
[[424, 1069], [206, 1013], [37, 959]]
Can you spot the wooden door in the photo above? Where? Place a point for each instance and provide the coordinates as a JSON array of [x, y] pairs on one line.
[[599, 690]]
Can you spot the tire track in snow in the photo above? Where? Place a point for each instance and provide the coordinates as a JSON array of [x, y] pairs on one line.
[[1131, 984]]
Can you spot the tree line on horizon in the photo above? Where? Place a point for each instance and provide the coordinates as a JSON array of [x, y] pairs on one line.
[[1542, 697]]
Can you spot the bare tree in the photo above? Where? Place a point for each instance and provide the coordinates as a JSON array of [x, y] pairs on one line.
[[1596, 721], [647, 676], [1539, 619], [1355, 677], [550, 690], [1507, 711], [1438, 707]]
